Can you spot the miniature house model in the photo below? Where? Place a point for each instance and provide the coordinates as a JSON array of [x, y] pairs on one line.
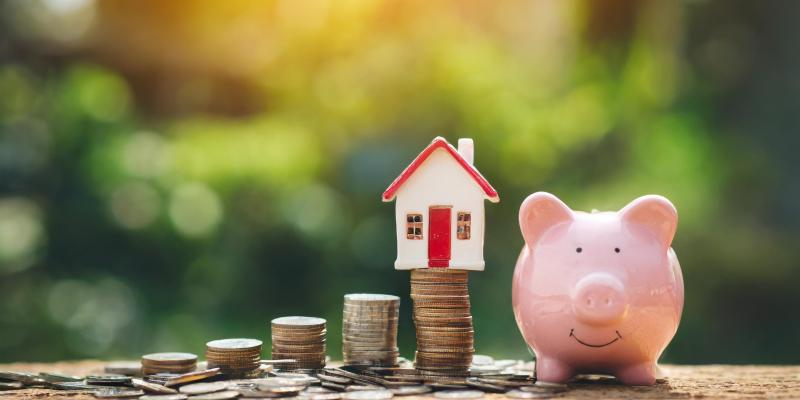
[[439, 210]]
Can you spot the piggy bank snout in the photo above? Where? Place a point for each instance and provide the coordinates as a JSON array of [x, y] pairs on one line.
[[599, 299]]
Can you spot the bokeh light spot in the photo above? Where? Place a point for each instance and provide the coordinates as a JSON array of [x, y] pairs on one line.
[[315, 210], [135, 205], [146, 154], [21, 232], [195, 209]]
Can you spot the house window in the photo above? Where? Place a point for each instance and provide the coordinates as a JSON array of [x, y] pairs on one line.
[[414, 226], [464, 225]]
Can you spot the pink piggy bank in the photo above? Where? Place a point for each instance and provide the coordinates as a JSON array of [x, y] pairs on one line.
[[598, 292]]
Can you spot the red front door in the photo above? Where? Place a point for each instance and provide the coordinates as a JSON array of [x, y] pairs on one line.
[[439, 237]]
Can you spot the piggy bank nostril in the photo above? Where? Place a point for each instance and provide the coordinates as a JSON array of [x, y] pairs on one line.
[[608, 301]]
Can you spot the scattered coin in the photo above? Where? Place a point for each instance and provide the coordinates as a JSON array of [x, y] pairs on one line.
[[191, 377], [204, 387], [56, 377], [78, 386], [459, 394], [152, 387], [322, 396], [108, 380], [521, 394], [129, 368], [11, 385], [368, 395], [117, 393], [224, 395], [411, 390], [550, 386], [358, 388], [24, 377], [164, 397]]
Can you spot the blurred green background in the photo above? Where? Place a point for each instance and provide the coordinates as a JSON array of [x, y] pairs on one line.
[[178, 171]]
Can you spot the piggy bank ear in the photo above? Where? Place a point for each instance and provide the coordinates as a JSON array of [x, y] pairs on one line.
[[654, 213], [540, 212]]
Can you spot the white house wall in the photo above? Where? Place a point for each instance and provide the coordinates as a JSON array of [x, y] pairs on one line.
[[440, 180]]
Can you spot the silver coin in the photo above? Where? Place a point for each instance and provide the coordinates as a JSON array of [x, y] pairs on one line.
[[75, 386], [56, 377], [164, 397], [459, 394], [369, 297], [282, 381], [322, 396], [204, 387], [545, 387], [108, 380], [411, 390], [297, 377], [11, 385], [24, 377], [479, 359], [225, 395], [117, 393], [368, 395], [362, 388], [152, 387], [130, 368], [299, 321], [234, 344], [521, 394], [170, 357]]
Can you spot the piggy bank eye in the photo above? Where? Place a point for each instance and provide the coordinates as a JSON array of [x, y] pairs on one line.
[[578, 250], [617, 250]]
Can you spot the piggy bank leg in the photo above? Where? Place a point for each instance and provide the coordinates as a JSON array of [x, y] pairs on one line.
[[638, 375], [549, 369]]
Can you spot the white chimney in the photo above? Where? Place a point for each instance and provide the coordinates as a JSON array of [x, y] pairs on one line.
[[467, 149]]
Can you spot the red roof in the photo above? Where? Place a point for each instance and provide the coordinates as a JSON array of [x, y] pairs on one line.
[[441, 143]]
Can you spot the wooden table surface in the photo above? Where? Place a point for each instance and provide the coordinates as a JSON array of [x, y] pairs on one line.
[[683, 381]]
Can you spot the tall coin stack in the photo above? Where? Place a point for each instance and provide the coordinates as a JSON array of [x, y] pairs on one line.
[[239, 358], [301, 339], [369, 329], [443, 320], [176, 363]]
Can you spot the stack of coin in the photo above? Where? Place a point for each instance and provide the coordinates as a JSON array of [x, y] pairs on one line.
[[443, 320], [235, 357], [369, 329], [177, 363], [301, 339]]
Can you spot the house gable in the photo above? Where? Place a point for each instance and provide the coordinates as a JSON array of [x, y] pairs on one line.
[[440, 143]]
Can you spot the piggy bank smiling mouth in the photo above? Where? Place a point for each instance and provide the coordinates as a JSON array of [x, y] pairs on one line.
[[572, 335]]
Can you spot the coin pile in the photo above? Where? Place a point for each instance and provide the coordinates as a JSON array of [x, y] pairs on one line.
[[511, 377], [234, 357], [301, 339], [369, 329], [177, 363], [443, 320]]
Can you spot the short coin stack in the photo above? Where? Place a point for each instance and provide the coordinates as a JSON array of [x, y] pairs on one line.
[[443, 320], [369, 329], [301, 339], [235, 357], [176, 363]]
